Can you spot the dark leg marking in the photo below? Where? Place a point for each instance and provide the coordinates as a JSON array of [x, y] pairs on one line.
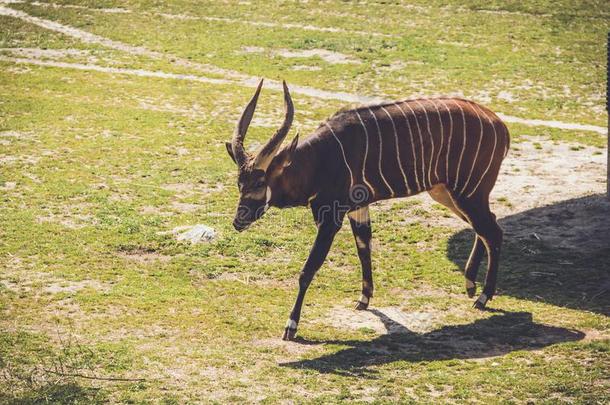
[[472, 266]]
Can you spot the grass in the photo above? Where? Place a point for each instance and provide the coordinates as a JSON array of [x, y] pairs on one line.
[[95, 167]]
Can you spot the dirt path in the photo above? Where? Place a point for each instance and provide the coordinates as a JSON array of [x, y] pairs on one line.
[[240, 78], [105, 69], [109, 43]]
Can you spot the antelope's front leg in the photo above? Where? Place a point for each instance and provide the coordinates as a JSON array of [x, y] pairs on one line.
[[327, 229], [361, 227]]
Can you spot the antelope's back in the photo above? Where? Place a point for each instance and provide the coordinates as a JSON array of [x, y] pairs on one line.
[[406, 147]]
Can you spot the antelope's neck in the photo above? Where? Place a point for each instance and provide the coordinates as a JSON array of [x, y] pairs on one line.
[[298, 183]]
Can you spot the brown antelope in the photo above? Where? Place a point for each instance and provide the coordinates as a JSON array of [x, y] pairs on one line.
[[449, 147]]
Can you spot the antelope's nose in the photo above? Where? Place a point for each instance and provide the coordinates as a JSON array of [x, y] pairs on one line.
[[239, 226]]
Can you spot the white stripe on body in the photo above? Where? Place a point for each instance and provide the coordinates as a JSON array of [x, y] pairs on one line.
[[431, 143], [398, 151], [448, 141], [476, 155], [457, 174], [421, 142], [491, 159], [392, 193], [412, 146], [351, 175], [507, 140], [366, 152], [440, 147]]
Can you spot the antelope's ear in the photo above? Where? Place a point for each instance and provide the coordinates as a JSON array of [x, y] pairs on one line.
[[230, 151], [290, 150]]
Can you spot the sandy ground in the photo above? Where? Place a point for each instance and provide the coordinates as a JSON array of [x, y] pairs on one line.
[[552, 181], [326, 55]]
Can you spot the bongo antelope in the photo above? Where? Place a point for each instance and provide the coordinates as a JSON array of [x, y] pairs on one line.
[[449, 147]]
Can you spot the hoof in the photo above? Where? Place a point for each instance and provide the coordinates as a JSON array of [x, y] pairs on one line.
[[290, 331], [480, 302], [289, 334], [478, 305], [361, 306], [471, 288], [363, 303]]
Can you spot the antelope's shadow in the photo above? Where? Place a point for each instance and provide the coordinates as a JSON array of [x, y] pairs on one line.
[[499, 334], [558, 254]]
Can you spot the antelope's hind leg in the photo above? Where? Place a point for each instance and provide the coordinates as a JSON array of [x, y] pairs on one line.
[[441, 195], [360, 222], [489, 236]]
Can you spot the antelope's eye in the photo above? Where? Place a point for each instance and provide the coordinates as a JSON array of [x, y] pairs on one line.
[[259, 183]]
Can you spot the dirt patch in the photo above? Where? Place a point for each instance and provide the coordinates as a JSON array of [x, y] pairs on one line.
[[302, 27], [74, 215], [185, 207], [184, 190], [306, 68], [327, 56], [23, 159], [194, 111], [177, 16], [252, 49], [387, 320], [540, 173], [8, 185], [592, 335], [507, 96], [19, 279], [72, 287], [37, 53], [150, 210], [536, 173], [243, 278], [71, 221], [144, 256], [18, 70], [553, 124], [112, 70], [287, 348], [264, 121]]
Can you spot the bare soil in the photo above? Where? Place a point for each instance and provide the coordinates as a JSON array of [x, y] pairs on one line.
[[536, 174]]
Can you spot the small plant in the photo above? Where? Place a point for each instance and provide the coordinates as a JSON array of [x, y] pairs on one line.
[[504, 201]]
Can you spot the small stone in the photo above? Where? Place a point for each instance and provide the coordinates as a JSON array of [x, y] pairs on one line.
[[9, 185], [195, 234]]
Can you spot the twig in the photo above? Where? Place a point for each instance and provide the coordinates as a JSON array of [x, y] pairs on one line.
[[89, 377]]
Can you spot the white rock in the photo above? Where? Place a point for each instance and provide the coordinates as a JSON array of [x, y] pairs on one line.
[[195, 233]]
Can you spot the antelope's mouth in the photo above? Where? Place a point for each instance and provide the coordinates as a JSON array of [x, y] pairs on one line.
[[240, 226]]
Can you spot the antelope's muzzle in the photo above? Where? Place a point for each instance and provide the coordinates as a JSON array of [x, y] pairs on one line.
[[248, 212]]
